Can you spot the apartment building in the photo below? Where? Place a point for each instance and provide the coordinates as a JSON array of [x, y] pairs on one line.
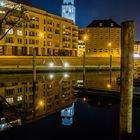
[[48, 34], [101, 38], [137, 47]]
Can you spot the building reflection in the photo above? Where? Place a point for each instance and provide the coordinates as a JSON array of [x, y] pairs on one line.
[[51, 95], [67, 115], [99, 101]]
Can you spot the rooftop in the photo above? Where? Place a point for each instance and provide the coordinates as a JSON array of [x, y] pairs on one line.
[[103, 23]]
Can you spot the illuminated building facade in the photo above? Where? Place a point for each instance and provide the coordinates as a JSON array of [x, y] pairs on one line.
[[103, 38], [49, 34], [137, 47], [81, 42], [68, 10]]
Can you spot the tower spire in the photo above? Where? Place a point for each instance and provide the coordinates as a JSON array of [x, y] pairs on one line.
[[68, 9]]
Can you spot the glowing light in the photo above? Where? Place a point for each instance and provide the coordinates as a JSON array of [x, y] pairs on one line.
[[66, 64], [63, 95], [51, 64], [109, 44], [3, 125], [84, 99], [51, 76], [41, 103], [66, 75], [108, 86], [41, 35], [136, 55], [2, 12], [85, 37], [2, 3]]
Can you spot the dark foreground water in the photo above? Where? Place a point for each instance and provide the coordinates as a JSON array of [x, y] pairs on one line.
[[58, 112]]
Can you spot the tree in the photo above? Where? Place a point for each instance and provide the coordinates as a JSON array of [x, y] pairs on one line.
[[13, 15]]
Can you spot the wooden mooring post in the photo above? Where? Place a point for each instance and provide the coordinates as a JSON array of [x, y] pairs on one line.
[[34, 64], [34, 84], [84, 69], [127, 66]]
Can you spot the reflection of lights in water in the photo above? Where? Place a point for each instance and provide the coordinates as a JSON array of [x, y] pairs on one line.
[[136, 55], [63, 95], [99, 103], [67, 115], [108, 86], [80, 83], [84, 99], [1, 3], [2, 126], [43, 77], [67, 121], [66, 75], [51, 64], [66, 64], [51, 76], [110, 104], [109, 44]]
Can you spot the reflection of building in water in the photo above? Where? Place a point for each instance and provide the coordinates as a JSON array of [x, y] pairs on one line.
[[50, 96], [67, 115]]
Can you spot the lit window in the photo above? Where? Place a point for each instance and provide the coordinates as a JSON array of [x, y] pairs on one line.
[[49, 35], [19, 98], [100, 24], [10, 100], [2, 12], [19, 32], [49, 43], [112, 24], [9, 31]]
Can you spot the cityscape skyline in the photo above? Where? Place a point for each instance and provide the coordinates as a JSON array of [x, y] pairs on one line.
[[86, 12]]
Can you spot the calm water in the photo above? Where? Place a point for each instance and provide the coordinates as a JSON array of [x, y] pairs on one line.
[[55, 110]]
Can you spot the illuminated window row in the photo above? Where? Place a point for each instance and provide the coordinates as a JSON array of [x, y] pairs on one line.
[[11, 31], [11, 99]]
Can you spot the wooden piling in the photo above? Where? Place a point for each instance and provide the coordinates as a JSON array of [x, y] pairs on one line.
[[34, 64], [126, 89], [34, 84]]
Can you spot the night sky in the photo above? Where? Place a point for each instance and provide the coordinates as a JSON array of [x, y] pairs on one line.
[[88, 10]]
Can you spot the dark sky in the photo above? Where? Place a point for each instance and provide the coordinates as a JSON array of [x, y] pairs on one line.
[[88, 10]]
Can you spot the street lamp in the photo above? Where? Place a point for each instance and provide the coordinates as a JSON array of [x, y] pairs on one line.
[[110, 68], [41, 35], [84, 59]]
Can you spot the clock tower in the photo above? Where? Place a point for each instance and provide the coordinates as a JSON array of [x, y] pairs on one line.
[[68, 9]]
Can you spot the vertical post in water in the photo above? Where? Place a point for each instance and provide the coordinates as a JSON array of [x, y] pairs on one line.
[[34, 64], [126, 89], [84, 70], [34, 83], [110, 67]]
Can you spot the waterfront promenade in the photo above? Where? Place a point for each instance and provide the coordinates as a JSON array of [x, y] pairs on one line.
[[58, 63], [55, 63]]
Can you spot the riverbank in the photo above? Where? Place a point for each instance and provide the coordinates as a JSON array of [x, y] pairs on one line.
[[24, 64], [40, 69]]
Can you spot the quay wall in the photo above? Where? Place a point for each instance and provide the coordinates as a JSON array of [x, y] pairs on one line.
[[25, 63]]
